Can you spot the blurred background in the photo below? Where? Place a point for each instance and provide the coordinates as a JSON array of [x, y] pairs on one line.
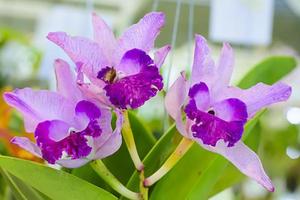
[[257, 29]]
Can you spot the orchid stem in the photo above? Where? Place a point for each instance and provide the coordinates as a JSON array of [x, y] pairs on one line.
[[184, 145], [111, 180], [143, 189], [129, 140]]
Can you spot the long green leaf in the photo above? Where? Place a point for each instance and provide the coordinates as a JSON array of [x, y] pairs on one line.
[[53, 183], [269, 71], [18, 194], [21, 191]]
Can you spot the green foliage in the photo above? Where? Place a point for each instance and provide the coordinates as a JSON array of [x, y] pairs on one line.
[[198, 175], [55, 184], [20, 190], [269, 71]]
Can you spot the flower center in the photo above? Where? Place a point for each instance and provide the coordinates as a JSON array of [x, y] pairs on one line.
[[107, 74], [211, 111]]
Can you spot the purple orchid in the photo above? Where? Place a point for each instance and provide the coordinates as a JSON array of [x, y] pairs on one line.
[[69, 129], [120, 68], [216, 113]]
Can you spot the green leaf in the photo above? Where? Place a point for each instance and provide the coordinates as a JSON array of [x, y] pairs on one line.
[[199, 171], [21, 191], [53, 183], [269, 71]]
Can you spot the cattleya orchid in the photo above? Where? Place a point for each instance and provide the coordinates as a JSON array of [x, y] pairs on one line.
[[216, 112], [72, 126], [69, 128], [119, 68]]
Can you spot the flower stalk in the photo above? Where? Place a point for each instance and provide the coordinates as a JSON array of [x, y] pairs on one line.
[[143, 189], [111, 180], [184, 145], [129, 140]]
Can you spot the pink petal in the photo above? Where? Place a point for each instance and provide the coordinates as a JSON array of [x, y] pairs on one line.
[[104, 36], [84, 52], [259, 96], [68, 163], [58, 130], [66, 81], [111, 141], [160, 55], [175, 99], [225, 68], [231, 110], [26, 144], [37, 106], [203, 67], [92, 91], [200, 93], [133, 62], [244, 159], [112, 144], [141, 35], [105, 125]]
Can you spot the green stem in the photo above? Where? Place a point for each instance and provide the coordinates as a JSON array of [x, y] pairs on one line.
[[179, 152], [129, 140], [111, 180], [143, 189]]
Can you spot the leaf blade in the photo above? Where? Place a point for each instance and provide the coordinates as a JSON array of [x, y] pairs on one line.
[[53, 183]]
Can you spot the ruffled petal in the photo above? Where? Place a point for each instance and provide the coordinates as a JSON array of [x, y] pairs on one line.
[[51, 150], [141, 35], [174, 101], [133, 62], [203, 67], [37, 106], [160, 55], [259, 96], [134, 90], [210, 129], [245, 160], [84, 52], [75, 144], [66, 81], [104, 36], [26, 144]]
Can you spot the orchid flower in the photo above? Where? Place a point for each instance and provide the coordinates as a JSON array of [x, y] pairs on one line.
[[69, 129], [119, 68], [216, 112]]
